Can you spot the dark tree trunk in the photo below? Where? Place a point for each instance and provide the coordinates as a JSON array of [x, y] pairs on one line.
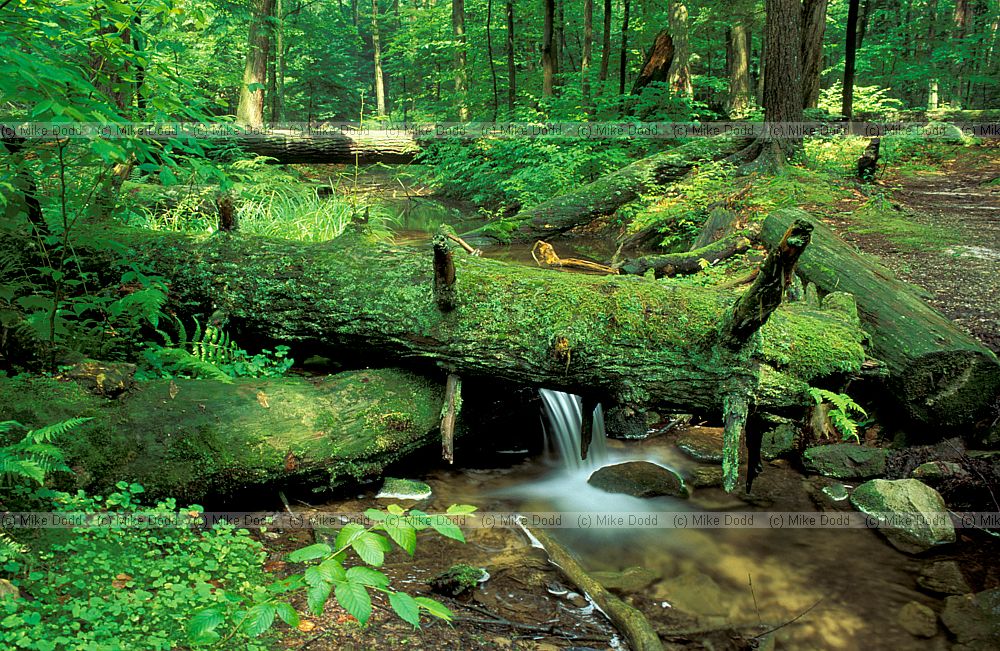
[[657, 64], [461, 73], [813, 27], [548, 55], [782, 81], [588, 40], [623, 63], [606, 41], [369, 147], [847, 106], [511, 72], [489, 54]]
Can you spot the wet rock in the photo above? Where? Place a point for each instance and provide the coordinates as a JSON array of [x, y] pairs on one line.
[[639, 479], [974, 619], [625, 423], [836, 492], [706, 476], [104, 379], [780, 441], [8, 589], [403, 489], [935, 471], [458, 580], [845, 460], [916, 512], [943, 577], [631, 579], [577, 599], [702, 444], [694, 593], [917, 620]]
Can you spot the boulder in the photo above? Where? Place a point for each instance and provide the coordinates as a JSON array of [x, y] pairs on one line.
[[935, 471], [943, 577], [639, 479], [974, 619], [702, 444], [910, 514], [403, 489], [705, 476], [917, 619], [109, 379], [845, 460], [779, 441]]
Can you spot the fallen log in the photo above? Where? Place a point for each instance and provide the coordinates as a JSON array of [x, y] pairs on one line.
[[192, 438], [719, 223], [332, 147], [629, 621], [604, 196], [671, 264], [938, 375]]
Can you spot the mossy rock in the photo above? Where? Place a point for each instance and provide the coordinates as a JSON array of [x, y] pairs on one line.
[[639, 479], [845, 460], [404, 489], [910, 514], [780, 441], [458, 580], [974, 619]]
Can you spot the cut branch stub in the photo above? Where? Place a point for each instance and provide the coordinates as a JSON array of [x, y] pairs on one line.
[[449, 413], [444, 275], [753, 309]]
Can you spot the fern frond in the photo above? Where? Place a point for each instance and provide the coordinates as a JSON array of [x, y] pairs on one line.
[[188, 363], [9, 425], [49, 432]]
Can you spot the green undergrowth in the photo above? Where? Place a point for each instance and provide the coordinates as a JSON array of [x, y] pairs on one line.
[[879, 216]]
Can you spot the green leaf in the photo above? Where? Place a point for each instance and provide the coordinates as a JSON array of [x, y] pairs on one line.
[[406, 607], [434, 608], [369, 548], [447, 528], [319, 550], [201, 627], [355, 599], [367, 576], [461, 509], [331, 570], [259, 619], [402, 532], [288, 614], [316, 597], [347, 534]]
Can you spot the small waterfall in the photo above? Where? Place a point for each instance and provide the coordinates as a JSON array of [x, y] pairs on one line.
[[563, 416]]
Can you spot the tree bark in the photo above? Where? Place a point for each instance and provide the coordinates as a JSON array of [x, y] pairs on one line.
[[606, 41], [548, 55], [679, 76], [511, 72], [658, 61], [250, 111], [738, 66], [813, 27], [489, 54], [588, 40], [189, 439], [377, 55], [939, 376], [461, 72], [602, 197], [332, 148], [623, 62], [847, 105]]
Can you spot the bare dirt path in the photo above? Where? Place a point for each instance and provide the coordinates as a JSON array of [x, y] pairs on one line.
[[955, 210]]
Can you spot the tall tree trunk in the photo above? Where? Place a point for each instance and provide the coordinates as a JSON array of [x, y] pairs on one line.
[[280, 64], [511, 72], [847, 106], [461, 74], [813, 27], [559, 42], [656, 67], [489, 54], [932, 83], [783, 79], [588, 39], [864, 16], [250, 111], [679, 76], [623, 62], [606, 41], [138, 44], [377, 50], [548, 55], [738, 68]]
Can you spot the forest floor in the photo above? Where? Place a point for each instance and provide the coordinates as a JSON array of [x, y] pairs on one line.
[[945, 238]]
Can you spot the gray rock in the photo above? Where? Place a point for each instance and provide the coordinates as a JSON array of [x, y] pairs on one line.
[[639, 479], [705, 476], [702, 444], [933, 471], [974, 619], [910, 514], [845, 460], [780, 441], [917, 620], [943, 577]]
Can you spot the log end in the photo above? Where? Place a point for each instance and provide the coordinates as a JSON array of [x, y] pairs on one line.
[[955, 388]]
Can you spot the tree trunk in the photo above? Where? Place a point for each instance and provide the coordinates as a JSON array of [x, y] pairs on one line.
[[511, 72], [941, 377], [847, 105], [602, 197], [489, 54], [548, 55], [672, 264], [333, 148], [658, 61], [461, 72], [738, 66], [813, 27], [189, 439], [623, 63], [606, 41], [377, 50], [679, 76], [588, 40], [250, 111], [782, 82]]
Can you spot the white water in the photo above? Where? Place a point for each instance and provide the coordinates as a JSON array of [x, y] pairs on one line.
[[563, 427]]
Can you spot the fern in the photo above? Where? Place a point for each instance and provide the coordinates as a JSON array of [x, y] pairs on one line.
[[35, 455], [178, 360], [840, 414]]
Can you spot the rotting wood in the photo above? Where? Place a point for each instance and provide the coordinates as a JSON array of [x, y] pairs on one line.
[[672, 264], [629, 621], [545, 256], [449, 413], [868, 163], [444, 275]]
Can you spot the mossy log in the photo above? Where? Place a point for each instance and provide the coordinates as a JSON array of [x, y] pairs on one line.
[[604, 196], [619, 338], [940, 376], [192, 438], [671, 264], [334, 147]]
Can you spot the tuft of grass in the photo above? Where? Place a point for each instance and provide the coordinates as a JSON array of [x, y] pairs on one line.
[[878, 215]]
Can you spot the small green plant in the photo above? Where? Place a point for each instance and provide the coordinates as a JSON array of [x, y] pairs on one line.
[[839, 408], [330, 573]]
